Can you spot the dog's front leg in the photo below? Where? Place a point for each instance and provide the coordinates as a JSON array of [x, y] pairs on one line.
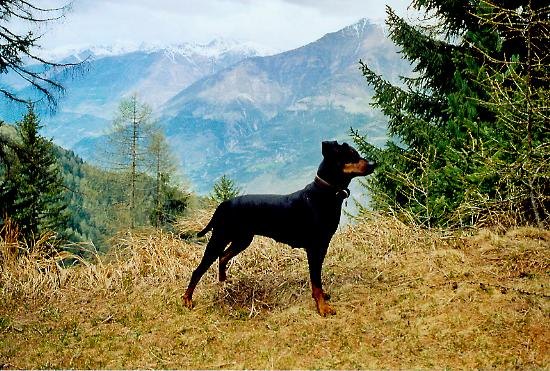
[[315, 260]]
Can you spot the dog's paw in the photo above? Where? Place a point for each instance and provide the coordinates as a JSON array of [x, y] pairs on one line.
[[325, 309], [187, 302]]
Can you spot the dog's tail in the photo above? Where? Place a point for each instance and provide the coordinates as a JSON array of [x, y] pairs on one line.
[[211, 224], [208, 227], [190, 235]]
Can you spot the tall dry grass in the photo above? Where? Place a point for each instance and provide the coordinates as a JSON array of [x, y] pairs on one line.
[[150, 257], [135, 256], [29, 268], [267, 275], [406, 297]]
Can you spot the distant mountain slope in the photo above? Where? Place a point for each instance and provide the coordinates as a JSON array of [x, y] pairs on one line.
[[264, 117], [322, 73], [229, 108], [108, 74]]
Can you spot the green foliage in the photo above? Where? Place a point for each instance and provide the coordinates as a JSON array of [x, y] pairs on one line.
[[224, 189], [128, 142], [98, 200], [168, 202], [516, 83], [32, 186], [442, 161], [86, 222], [144, 169]]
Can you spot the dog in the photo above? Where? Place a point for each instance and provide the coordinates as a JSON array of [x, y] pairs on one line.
[[304, 219]]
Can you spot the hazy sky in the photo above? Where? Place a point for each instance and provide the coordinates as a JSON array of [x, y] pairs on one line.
[[278, 24]]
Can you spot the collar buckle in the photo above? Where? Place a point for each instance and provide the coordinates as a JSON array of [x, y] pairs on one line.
[[344, 193]]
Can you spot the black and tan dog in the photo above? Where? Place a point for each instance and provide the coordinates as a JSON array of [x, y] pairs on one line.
[[306, 219]]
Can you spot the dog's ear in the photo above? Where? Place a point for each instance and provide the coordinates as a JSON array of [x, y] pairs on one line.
[[329, 148]]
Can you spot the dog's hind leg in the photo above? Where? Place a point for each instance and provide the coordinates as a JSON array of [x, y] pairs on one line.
[[214, 249], [236, 247]]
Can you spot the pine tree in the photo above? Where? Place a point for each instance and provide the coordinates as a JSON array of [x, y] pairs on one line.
[[433, 171], [518, 90], [140, 157], [34, 183], [8, 151], [167, 200], [224, 189]]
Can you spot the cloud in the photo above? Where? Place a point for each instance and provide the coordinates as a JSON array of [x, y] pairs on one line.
[[281, 24]]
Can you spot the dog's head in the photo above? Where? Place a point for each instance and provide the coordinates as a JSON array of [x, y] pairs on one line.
[[346, 160]]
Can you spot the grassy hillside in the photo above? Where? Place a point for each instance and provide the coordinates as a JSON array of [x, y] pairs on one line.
[[98, 200], [406, 298]]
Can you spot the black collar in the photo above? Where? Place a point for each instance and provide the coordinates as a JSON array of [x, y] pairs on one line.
[[342, 193]]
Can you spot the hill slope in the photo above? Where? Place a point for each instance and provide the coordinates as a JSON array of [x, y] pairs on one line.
[[230, 108], [265, 117], [154, 73], [406, 298]]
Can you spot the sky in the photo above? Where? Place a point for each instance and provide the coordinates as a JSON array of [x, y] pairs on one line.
[[276, 24]]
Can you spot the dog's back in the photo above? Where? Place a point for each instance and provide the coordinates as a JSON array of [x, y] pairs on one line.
[[285, 218]]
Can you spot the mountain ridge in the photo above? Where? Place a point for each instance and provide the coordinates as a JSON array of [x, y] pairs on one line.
[[92, 95], [213, 48], [255, 118], [275, 110]]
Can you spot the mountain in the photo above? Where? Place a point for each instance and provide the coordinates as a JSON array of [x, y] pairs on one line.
[[316, 75], [156, 73], [109, 73], [231, 108], [263, 118]]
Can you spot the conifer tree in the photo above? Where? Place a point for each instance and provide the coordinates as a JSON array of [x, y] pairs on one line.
[[128, 146], [224, 189], [433, 170], [167, 201], [8, 151], [141, 159], [518, 93], [34, 183]]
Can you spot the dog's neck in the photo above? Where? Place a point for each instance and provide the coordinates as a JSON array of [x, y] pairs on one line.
[[342, 193], [331, 177]]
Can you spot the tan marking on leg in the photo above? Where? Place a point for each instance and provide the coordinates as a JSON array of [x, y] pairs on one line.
[[323, 307], [188, 297], [222, 268]]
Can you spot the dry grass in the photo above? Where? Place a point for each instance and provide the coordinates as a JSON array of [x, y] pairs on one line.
[[406, 298]]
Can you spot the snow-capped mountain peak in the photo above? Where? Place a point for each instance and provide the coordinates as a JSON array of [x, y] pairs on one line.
[[221, 46], [213, 49]]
